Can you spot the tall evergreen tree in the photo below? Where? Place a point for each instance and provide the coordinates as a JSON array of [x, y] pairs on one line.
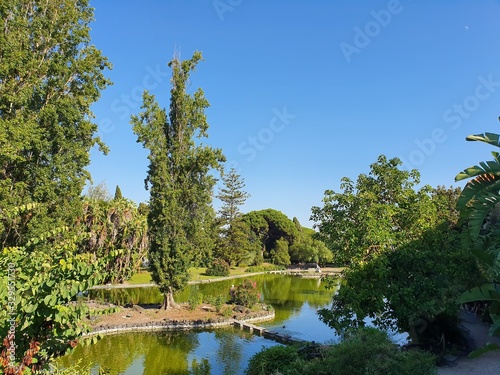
[[178, 177], [118, 193], [232, 196], [233, 243]]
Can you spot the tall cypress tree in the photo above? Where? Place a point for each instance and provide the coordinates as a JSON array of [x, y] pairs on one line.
[[178, 177], [118, 193]]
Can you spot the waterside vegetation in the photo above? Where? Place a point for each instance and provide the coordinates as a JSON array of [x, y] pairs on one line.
[[412, 254]]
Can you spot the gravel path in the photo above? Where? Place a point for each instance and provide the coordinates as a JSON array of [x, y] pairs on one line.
[[487, 364]]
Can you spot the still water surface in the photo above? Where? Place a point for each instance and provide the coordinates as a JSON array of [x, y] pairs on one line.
[[221, 351]]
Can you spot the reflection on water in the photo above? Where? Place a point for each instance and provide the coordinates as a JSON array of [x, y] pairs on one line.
[[222, 351]]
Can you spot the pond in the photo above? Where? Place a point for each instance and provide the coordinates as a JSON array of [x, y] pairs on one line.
[[221, 351]]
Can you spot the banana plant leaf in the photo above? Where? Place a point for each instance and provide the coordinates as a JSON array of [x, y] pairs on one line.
[[490, 138], [483, 192], [495, 327], [484, 167], [483, 349], [486, 292]]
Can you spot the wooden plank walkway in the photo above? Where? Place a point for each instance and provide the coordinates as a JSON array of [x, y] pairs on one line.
[[262, 331]]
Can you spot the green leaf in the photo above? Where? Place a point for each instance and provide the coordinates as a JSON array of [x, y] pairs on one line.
[[483, 349], [489, 138], [487, 292], [30, 308]]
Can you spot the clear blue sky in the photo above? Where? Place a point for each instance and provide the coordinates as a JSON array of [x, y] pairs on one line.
[[303, 93]]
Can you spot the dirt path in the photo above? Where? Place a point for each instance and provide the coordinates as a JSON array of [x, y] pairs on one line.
[[487, 364]]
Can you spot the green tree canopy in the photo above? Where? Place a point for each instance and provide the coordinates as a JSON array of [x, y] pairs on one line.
[[50, 75], [116, 231], [178, 178], [406, 265], [307, 249], [269, 226], [380, 211]]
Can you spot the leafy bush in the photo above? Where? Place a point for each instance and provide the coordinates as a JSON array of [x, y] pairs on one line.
[[370, 351], [246, 293], [219, 267], [219, 301], [276, 359], [195, 300], [366, 351]]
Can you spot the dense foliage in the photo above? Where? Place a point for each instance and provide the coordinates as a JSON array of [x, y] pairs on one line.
[[307, 249], [40, 284], [367, 351], [246, 294], [218, 267], [480, 213], [406, 264], [116, 231], [380, 211], [50, 75], [178, 178]]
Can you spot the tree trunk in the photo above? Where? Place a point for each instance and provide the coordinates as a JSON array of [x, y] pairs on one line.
[[168, 300]]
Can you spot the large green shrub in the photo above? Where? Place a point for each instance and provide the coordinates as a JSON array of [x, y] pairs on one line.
[[367, 351], [219, 267], [370, 351], [246, 293], [277, 359]]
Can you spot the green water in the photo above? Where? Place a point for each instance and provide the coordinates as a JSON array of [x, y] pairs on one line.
[[222, 351]]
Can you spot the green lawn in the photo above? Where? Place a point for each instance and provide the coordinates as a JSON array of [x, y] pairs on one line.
[[142, 277], [196, 273]]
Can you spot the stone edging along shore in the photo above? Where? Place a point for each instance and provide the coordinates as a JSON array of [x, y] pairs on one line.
[[176, 325]]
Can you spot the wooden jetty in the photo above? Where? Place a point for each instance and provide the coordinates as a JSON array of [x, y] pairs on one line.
[[261, 331]]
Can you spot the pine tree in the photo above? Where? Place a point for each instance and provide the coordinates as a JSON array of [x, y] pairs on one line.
[[234, 242], [178, 177], [232, 196]]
